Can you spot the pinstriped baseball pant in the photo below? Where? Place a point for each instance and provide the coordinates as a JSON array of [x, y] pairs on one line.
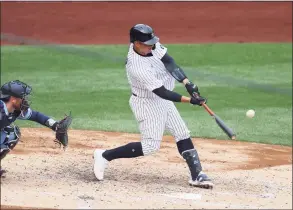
[[154, 116]]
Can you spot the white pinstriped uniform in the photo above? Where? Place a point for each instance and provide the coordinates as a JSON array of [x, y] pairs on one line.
[[153, 113]]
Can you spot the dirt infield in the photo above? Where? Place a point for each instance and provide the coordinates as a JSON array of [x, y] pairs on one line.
[[246, 175]]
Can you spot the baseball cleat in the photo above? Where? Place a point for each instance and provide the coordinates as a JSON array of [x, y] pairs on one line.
[[202, 181], [100, 164], [2, 172]]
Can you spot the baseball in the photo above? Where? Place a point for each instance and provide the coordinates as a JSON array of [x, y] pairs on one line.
[[250, 113]]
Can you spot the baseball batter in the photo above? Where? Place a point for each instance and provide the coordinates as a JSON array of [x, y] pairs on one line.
[[152, 73], [14, 104]]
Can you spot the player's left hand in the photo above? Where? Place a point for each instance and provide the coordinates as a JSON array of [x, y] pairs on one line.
[[61, 131], [199, 100], [192, 89]]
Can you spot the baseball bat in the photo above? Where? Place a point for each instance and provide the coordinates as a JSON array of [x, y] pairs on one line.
[[220, 123]]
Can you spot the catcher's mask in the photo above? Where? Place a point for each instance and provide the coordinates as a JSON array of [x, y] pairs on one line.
[[17, 89]]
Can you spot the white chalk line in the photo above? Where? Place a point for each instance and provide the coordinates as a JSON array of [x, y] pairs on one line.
[[87, 204], [198, 198]]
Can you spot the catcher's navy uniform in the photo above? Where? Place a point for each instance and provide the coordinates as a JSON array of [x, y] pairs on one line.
[[10, 133]]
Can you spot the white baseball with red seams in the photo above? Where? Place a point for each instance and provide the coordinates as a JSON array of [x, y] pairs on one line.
[[250, 113], [153, 114]]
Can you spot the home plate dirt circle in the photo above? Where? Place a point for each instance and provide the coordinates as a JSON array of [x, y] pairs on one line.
[[41, 175]]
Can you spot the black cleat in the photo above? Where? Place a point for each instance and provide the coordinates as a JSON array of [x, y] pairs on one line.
[[2, 172]]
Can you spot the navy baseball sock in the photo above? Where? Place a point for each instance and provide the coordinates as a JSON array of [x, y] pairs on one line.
[[185, 144], [130, 150]]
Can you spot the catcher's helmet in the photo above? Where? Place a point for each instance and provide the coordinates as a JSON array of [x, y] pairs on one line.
[[143, 33], [15, 88]]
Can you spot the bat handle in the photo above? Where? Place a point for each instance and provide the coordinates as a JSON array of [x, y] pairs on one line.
[[208, 109], [205, 106]]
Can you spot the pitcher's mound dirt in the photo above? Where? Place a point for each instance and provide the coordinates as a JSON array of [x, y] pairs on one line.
[[246, 175]]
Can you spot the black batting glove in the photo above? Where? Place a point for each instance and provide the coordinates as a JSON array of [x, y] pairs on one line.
[[192, 89], [198, 100]]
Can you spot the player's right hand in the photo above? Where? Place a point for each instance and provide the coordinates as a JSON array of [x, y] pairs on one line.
[[192, 89], [199, 100]]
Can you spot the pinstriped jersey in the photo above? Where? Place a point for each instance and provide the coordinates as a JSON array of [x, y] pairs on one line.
[[146, 73]]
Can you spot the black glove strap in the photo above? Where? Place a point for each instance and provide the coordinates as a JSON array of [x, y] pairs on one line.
[[194, 101]]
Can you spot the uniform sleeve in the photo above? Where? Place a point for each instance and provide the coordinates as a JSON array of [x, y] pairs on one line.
[[146, 78], [160, 50], [33, 115]]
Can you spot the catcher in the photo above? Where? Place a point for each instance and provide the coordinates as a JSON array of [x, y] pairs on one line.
[[14, 104]]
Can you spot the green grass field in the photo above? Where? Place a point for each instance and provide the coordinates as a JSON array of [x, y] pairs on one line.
[[234, 78]]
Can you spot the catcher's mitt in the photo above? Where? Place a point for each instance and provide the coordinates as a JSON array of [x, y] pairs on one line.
[[61, 131]]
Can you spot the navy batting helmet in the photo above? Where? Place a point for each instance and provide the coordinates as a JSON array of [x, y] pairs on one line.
[[15, 88], [143, 33]]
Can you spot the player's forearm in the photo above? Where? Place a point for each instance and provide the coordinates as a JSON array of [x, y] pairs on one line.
[[167, 94], [170, 95], [185, 99], [42, 119], [173, 68], [185, 81]]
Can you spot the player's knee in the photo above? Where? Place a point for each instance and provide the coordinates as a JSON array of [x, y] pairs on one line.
[[9, 138], [184, 134], [150, 146]]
